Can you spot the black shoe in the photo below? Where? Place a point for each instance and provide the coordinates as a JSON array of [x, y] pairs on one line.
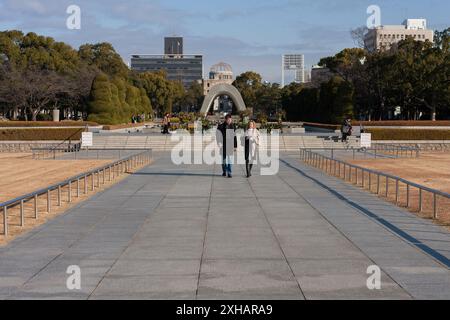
[[224, 174], [230, 176]]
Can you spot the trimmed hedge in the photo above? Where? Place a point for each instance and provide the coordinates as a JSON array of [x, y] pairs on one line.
[[408, 134], [390, 123], [6, 124], [123, 126], [37, 134], [323, 125], [404, 123]]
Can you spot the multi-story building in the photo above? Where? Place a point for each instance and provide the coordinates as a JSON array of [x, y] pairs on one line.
[[186, 68], [384, 37], [294, 62], [173, 45]]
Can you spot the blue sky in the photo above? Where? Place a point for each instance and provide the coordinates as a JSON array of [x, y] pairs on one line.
[[248, 34]]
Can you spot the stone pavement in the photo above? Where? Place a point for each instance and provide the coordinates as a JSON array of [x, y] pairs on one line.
[[185, 232]]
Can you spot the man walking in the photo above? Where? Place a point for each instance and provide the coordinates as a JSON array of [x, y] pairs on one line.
[[346, 129], [227, 141]]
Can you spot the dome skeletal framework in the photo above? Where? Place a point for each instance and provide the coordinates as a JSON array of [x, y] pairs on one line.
[[221, 68]]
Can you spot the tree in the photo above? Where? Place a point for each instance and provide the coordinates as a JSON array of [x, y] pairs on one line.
[[193, 97], [159, 90], [358, 36], [101, 107], [249, 84], [105, 58]]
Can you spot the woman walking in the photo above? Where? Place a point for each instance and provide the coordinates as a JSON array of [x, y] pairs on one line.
[[251, 141]]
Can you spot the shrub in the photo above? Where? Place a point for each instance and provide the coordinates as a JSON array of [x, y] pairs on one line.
[[25, 124], [408, 134], [44, 117], [37, 134], [323, 125], [405, 123]]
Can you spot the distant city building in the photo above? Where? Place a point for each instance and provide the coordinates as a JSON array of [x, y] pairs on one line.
[[186, 68], [173, 45], [320, 74], [294, 62], [384, 37], [218, 74], [307, 76]]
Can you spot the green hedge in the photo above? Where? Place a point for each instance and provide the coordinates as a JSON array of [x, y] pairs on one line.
[[391, 123], [404, 123], [58, 134], [408, 134], [6, 124], [322, 125]]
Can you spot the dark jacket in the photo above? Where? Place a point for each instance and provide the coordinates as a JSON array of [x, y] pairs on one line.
[[221, 136], [346, 127]]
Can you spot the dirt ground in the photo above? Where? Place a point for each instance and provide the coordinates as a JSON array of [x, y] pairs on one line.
[[20, 174], [431, 169]]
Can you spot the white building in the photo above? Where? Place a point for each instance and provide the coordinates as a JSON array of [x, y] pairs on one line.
[[293, 62], [384, 37]]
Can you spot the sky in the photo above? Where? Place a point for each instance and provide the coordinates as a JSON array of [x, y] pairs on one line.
[[248, 34]]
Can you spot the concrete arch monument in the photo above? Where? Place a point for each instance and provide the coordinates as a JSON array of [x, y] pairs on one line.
[[221, 90]]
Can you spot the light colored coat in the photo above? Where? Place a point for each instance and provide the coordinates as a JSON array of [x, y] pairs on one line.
[[253, 141]]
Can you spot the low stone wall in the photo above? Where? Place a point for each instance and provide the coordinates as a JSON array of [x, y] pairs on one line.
[[26, 146], [425, 145]]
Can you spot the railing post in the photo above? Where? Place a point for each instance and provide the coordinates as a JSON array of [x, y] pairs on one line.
[[387, 186], [49, 207], [396, 191], [59, 196], [420, 200], [22, 215], [407, 195], [92, 185], [378, 183], [5, 221], [363, 177], [85, 185], [435, 216], [78, 187], [35, 206], [70, 191]]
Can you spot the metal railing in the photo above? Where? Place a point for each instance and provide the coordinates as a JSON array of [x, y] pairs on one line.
[[370, 179], [78, 153], [397, 150], [377, 151], [88, 180], [53, 152]]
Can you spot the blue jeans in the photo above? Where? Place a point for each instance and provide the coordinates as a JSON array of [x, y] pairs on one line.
[[226, 164]]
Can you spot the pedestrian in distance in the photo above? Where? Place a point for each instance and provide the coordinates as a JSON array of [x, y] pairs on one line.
[[166, 123], [346, 129]]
